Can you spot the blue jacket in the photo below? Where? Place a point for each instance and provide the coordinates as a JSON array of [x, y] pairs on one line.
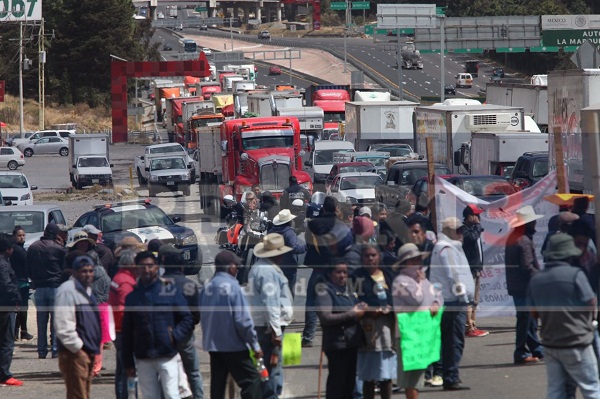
[[156, 317], [291, 240]]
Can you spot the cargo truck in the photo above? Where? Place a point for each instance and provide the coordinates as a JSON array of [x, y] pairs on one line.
[[411, 57], [89, 161], [310, 119], [570, 91], [532, 98], [331, 99], [267, 104], [248, 151], [370, 122], [495, 153], [451, 125]]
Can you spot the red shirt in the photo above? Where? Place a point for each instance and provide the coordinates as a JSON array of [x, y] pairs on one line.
[[121, 285]]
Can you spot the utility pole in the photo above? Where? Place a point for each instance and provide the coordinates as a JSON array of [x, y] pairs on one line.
[[21, 121], [41, 76]]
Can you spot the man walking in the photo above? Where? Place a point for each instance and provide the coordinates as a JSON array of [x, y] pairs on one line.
[[171, 259], [561, 296], [228, 330], [45, 259], [473, 248], [450, 269], [271, 303], [521, 264], [156, 319], [18, 261], [294, 191], [77, 326], [9, 303]]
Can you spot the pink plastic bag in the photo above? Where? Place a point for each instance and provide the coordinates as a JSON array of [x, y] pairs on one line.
[[107, 322]]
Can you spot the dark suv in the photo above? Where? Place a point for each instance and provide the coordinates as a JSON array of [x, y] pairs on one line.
[[529, 169], [144, 221]]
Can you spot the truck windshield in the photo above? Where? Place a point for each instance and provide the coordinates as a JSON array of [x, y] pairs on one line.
[[325, 157], [31, 221], [333, 116], [376, 161], [167, 149], [272, 138], [166, 163], [92, 162], [357, 182], [396, 151]]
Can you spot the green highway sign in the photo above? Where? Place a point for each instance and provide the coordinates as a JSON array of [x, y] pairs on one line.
[[563, 38], [570, 49], [544, 49], [361, 5], [337, 6], [440, 11], [468, 50], [200, 9], [510, 49]]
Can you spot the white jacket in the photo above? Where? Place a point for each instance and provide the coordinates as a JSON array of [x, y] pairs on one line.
[[450, 269]]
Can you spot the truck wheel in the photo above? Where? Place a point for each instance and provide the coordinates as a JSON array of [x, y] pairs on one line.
[[64, 152], [13, 165], [78, 185], [141, 179], [186, 190]]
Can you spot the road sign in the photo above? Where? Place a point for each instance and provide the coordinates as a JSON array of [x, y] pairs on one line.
[[440, 10], [20, 10], [2, 86], [361, 5], [570, 22], [337, 6], [570, 37], [200, 9], [510, 49], [587, 56], [390, 16], [467, 50], [544, 49]]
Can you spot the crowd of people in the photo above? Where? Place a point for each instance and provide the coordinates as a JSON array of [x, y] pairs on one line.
[[369, 265]]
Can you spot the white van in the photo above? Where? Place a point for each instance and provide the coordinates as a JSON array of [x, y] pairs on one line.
[[321, 158], [464, 80]]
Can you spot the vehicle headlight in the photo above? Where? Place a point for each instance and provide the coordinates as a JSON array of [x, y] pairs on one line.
[[188, 175], [25, 197], [189, 240], [153, 178], [351, 200]]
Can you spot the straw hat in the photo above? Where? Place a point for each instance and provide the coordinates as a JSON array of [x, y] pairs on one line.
[[408, 251], [80, 236], [524, 215], [283, 217], [271, 246]]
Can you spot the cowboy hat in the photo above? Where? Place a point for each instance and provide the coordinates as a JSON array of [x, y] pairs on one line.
[[80, 236], [408, 251], [271, 246], [524, 215], [566, 199], [283, 217], [560, 247]]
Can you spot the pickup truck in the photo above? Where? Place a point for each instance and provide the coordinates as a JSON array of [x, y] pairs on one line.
[[400, 178], [168, 173], [142, 161]]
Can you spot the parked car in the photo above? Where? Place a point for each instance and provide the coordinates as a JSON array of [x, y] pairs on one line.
[[450, 90], [144, 221], [264, 34], [26, 135], [160, 15], [530, 168], [43, 133], [274, 70], [207, 52], [33, 218], [355, 187], [167, 47], [11, 157], [16, 188], [203, 27], [489, 188], [346, 167], [46, 145]]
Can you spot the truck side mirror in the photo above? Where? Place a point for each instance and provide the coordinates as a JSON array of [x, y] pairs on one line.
[[224, 145], [111, 165], [142, 157], [147, 169], [74, 166], [176, 219], [189, 166], [457, 160], [307, 163], [33, 187]]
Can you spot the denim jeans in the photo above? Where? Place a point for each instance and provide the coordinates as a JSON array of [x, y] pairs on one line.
[[579, 364], [310, 316], [44, 302], [7, 343], [191, 365], [120, 376], [149, 371], [527, 342], [453, 340]]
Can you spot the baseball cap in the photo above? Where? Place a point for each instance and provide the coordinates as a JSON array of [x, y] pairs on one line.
[[365, 210], [225, 258], [472, 209], [82, 261]]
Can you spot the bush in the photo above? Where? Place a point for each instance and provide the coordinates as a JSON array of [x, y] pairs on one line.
[[331, 19]]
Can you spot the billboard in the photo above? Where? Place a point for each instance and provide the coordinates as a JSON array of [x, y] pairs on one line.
[[20, 10], [565, 22]]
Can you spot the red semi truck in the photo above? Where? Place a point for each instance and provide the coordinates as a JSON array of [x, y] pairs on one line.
[[332, 100], [248, 151]]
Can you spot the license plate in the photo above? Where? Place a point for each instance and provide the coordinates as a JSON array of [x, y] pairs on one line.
[[95, 181], [170, 183], [186, 255]]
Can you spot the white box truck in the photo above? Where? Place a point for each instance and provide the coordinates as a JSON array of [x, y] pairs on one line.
[[89, 161], [310, 119], [370, 122], [451, 125], [532, 98], [495, 153], [266, 104]]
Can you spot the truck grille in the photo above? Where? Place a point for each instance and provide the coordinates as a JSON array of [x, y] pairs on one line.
[[274, 176], [169, 178]]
